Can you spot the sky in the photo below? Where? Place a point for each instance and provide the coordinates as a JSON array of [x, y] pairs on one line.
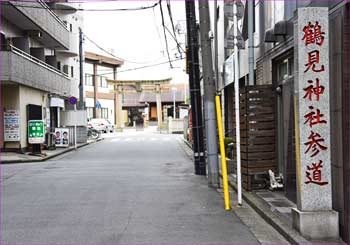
[[138, 37]]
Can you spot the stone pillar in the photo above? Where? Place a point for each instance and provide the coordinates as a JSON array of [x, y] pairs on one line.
[[159, 105], [313, 217], [119, 108], [95, 81]]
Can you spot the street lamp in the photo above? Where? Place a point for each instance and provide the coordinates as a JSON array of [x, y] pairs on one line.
[[174, 95]]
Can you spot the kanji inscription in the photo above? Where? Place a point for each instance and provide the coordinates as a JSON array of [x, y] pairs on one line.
[[313, 106]]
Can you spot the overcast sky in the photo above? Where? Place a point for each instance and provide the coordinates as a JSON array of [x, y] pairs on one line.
[[137, 37]]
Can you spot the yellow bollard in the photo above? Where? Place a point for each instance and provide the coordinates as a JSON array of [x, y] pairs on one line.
[[297, 148], [223, 155]]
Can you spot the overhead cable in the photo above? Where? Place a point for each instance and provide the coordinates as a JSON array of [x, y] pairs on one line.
[[165, 37]]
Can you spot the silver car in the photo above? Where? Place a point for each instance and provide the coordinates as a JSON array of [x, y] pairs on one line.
[[101, 124]]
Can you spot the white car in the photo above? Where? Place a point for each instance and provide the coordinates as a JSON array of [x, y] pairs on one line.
[[101, 124]]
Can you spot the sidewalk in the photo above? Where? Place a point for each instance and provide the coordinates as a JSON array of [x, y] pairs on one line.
[[275, 209], [13, 157]]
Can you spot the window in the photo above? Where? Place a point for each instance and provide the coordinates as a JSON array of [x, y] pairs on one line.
[[70, 27], [72, 71], [90, 112], [59, 65], [104, 113], [285, 69], [89, 80], [2, 41], [103, 82]]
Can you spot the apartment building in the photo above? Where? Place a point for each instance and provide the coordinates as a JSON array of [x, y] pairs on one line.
[[100, 97], [39, 65]]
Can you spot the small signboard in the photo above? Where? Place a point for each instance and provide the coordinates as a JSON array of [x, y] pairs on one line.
[[11, 126], [62, 137], [36, 131]]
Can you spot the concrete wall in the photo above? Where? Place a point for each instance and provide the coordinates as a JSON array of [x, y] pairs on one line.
[[16, 97], [9, 101]]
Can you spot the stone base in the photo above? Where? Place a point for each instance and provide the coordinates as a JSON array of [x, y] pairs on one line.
[[317, 224], [118, 129]]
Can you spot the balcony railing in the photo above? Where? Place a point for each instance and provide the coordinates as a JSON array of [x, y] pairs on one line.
[[55, 33], [54, 15], [27, 56], [22, 68]]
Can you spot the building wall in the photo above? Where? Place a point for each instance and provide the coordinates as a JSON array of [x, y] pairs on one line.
[[10, 101], [109, 104], [27, 96]]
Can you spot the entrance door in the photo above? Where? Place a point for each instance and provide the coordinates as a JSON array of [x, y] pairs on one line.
[[283, 80], [34, 112], [54, 117]]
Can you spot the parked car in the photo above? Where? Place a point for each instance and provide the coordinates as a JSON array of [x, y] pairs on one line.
[[101, 124]]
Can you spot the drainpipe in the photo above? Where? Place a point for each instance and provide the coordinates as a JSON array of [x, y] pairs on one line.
[[251, 41]]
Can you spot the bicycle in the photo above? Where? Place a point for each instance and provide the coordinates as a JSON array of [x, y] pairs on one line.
[[93, 133]]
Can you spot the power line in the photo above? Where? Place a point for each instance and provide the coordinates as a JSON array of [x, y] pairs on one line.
[[158, 33], [172, 24], [166, 40], [143, 67], [178, 46], [78, 9]]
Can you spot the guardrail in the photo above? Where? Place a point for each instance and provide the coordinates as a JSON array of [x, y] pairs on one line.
[[33, 59]]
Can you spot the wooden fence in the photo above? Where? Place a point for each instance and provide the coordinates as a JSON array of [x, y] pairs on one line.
[[258, 130]]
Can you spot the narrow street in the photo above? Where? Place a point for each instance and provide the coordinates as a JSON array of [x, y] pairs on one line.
[[132, 187]]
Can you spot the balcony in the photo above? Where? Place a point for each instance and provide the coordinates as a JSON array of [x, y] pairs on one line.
[[22, 68], [38, 17]]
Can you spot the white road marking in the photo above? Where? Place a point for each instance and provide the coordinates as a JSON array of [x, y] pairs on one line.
[[142, 139]]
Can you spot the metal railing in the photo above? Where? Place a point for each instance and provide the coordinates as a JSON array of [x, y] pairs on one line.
[[54, 15], [33, 59]]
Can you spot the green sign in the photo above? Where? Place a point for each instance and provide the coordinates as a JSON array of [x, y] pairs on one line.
[[36, 132]]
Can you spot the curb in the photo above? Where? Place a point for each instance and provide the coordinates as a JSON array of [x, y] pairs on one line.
[[264, 211], [49, 157]]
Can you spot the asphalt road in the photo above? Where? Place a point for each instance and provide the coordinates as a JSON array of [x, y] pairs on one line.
[[130, 188]]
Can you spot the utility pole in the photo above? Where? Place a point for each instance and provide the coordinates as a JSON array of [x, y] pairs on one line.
[[81, 70], [195, 91], [209, 95], [238, 133]]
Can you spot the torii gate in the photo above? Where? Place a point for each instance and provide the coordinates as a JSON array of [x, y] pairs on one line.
[[138, 86]]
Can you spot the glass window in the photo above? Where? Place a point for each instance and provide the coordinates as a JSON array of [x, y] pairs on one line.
[[285, 69], [89, 80], [90, 112], [104, 113], [103, 82]]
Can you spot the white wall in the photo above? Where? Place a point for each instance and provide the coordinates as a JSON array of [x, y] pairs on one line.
[[110, 105], [71, 58]]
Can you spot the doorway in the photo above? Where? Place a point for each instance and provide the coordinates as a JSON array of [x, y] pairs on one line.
[[283, 75]]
